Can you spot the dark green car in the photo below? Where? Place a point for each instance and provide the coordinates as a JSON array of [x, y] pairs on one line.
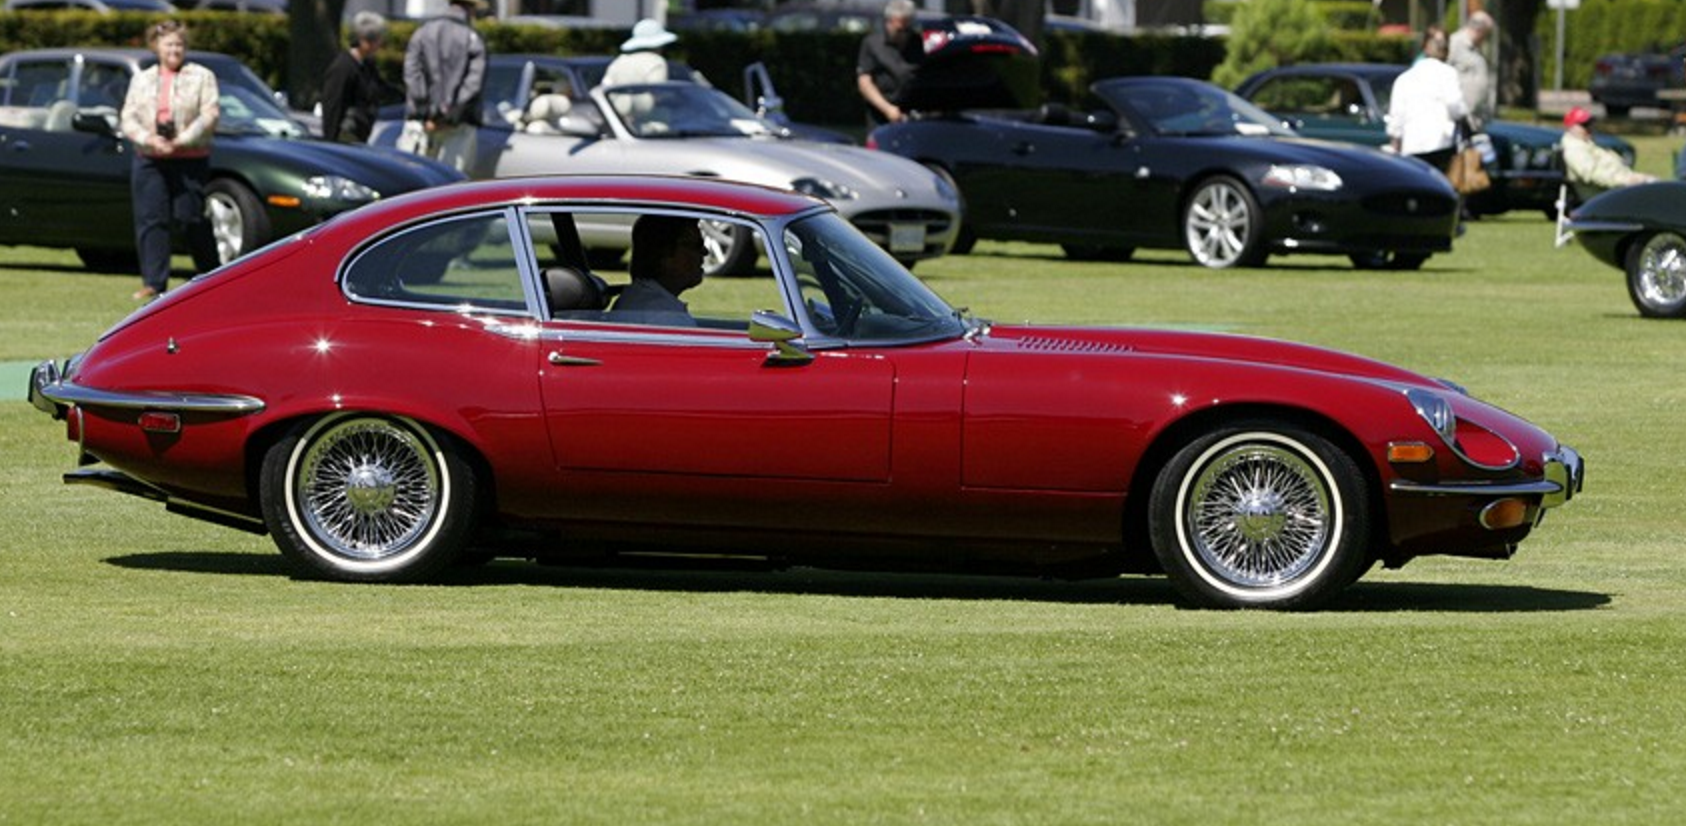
[[1349, 102], [64, 169]]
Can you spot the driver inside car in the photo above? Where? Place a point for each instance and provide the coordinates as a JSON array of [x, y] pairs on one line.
[[667, 260]]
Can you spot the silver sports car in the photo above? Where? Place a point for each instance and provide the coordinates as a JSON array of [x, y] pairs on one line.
[[683, 128]]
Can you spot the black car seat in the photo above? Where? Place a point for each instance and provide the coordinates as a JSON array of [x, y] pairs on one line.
[[571, 289]]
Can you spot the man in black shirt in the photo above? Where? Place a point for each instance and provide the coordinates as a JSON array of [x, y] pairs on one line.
[[889, 57], [352, 89]]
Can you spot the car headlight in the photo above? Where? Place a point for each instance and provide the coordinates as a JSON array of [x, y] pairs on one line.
[[1436, 411], [820, 188], [1303, 176], [1472, 442], [336, 188]]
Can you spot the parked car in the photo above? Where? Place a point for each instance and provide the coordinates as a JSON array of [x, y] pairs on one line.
[[1623, 81], [64, 170], [1349, 102], [543, 119], [1175, 163], [836, 414], [1640, 230]]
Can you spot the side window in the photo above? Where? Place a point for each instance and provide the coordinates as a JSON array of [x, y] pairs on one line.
[[41, 84], [1300, 95], [102, 85], [592, 269], [467, 263]]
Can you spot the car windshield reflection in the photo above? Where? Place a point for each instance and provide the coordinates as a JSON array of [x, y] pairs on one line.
[[684, 110], [852, 289], [1179, 109], [245, 112]]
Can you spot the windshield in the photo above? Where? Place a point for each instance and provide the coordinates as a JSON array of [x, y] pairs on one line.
[[683, 110], [1190, 109], [245, 112], [854, 290]]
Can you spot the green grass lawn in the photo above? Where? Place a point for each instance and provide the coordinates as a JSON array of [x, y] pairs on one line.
[[158, 670]]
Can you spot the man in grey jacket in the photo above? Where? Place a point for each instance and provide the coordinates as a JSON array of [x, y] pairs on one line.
[[444, 72], [1475, 77]]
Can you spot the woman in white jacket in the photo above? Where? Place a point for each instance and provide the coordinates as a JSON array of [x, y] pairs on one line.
[[1427, 104]]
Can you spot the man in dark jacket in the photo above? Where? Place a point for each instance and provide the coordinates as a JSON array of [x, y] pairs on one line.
[[352, 89], [444, 72], [889, 57]]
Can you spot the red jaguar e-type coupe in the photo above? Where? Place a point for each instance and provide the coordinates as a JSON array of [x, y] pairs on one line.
[[439, 377]]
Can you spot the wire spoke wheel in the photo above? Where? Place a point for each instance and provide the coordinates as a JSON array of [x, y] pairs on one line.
[[1263, 514], [1259, 516], [367, 489], [365, 497], [1657, 276]]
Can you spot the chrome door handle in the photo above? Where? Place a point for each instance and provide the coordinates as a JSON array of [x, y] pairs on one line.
[[561, 360]]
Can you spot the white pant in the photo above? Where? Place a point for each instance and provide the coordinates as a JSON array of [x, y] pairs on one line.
[[453, 145]]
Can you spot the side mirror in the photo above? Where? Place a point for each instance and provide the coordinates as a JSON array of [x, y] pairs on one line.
[[759, 93], [771, 328], [98, 123]]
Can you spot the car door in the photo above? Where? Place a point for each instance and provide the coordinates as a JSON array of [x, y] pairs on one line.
[[59, 185], [1053, 176], [672, 423]]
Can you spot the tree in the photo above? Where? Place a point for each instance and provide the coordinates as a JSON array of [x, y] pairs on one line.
[[1268, 33], [314, 39]]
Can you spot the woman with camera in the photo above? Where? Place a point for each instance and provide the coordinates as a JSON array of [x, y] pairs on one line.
[[170, 114]]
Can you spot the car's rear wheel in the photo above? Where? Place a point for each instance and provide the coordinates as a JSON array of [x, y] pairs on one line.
[[238, 222], [1260, 514], [367, 498], [1223, 226], [1656, 275], [728, 248]]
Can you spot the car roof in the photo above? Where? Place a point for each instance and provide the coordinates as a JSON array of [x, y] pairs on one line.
[[728, 197]]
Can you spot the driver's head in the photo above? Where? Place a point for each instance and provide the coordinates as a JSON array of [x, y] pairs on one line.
[[667, 249]]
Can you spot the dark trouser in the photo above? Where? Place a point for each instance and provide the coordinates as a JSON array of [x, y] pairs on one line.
[[170, 192]]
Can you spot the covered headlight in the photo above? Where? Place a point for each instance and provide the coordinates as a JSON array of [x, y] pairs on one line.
[[1303, 176], [1436, 411], [1473, 443], [336, 188], [821, 188]]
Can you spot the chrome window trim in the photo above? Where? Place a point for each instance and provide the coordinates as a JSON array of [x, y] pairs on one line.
[[518, 241]]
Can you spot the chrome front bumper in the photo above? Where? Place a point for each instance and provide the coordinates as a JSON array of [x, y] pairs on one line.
[[1565, 472]]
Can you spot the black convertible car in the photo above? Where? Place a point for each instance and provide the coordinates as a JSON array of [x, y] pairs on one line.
[[64, 170], [1173, 163]]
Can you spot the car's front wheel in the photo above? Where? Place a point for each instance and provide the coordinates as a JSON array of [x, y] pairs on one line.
[[1223, 225], [238, 222], [1260, 514], [1656, 275], [367, 498]]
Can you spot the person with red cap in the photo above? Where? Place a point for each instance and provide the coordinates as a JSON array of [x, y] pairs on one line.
[[1592, 168]]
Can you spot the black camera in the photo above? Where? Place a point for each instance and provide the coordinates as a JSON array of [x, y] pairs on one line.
[[167, 130]]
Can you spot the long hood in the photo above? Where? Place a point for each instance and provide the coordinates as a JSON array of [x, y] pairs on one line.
[[878, 177], [1232, 349], [386, 171], [1345, 158]]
